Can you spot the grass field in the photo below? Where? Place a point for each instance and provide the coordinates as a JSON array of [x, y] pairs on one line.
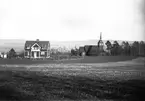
[[87, 59], [116, 81]]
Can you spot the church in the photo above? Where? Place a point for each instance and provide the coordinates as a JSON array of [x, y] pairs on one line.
[[93, 50]]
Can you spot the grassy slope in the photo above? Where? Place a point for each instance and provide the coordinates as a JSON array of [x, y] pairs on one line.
[[81, 83], [31, 86]]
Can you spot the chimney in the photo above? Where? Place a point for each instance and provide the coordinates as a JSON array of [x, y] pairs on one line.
[[37, 40]]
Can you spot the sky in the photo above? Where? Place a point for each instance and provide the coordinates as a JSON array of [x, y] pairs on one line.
[[72, 20]]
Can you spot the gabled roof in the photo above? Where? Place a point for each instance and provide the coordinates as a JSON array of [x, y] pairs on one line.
[[89, 49], [43, 44]]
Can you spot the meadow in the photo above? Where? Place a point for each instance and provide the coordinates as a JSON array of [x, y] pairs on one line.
[[86, 59], [112, 81]]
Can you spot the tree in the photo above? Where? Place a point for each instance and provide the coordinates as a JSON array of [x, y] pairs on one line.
[[12, 53], [135, 48], [21, 54], [109, 46], [123, 45], [59, 53], [125, 48], [115, 48], [142, 48], [74, 52]]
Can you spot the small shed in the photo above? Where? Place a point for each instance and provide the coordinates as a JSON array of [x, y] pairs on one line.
[[81, 51]]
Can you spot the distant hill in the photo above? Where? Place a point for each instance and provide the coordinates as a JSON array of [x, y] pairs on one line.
[[7, 44], [18, 44]]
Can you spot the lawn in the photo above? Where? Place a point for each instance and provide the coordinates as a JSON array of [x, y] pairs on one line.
[[101, 59], [118, 81], [87, 59]]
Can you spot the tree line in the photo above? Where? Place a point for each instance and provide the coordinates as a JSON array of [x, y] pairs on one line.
[[135, 49]]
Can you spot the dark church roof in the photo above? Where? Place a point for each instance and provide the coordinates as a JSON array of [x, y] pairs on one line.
[[89, 49]]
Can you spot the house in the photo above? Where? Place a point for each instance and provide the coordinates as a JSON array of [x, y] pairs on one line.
[[37, 49], [0, 54], [92, 50], [3, 55]]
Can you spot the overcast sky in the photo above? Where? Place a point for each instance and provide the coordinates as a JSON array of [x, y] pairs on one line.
[[63, 20]]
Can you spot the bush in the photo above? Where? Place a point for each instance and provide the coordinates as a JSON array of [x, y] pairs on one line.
[[12, 53]]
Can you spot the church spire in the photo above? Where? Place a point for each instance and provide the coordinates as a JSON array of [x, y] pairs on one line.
[[100, 35], [100, 42]]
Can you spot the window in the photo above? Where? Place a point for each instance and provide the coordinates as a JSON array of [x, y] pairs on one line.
[[32, 54], [27, 47], [37, 54], [42, 53], [26, 53], [43, 46], [35, 48], [45, 53]]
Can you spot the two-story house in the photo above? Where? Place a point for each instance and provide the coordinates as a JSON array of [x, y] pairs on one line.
[[37, 49]]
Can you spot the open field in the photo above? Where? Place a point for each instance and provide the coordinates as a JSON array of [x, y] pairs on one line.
[[114, 81]]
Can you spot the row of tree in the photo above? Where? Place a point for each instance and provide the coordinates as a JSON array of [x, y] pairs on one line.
[[134, 49]]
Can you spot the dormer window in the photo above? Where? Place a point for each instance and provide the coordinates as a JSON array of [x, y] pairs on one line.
[[36, 47], [43, 46], [28, 47]]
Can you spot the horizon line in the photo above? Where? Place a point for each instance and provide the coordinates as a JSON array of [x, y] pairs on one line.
[[69, 40]]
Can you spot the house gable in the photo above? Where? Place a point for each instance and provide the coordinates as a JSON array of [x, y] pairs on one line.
[[35, 45]]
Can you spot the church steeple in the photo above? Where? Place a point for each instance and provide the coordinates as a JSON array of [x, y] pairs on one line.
[[100, 35], [100, 42]]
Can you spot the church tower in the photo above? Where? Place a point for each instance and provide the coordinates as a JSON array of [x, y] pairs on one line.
[[100, 43]]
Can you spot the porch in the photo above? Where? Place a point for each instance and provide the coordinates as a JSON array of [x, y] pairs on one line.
[[36, 54]]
